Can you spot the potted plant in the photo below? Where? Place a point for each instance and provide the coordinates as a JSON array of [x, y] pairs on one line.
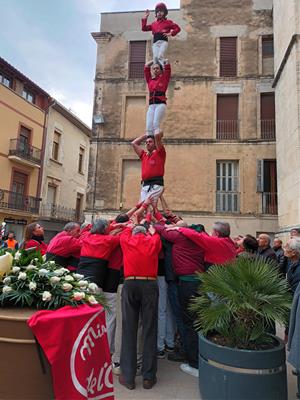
[[237, 305], [28, 284]]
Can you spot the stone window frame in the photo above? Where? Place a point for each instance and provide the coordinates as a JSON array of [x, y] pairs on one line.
[[238, 51], [120, 175], [123, 109]]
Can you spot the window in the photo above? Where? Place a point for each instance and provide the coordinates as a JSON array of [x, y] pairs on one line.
[[267, 46], [228, 56], [17, 198], [5, 80], [81, 159], [55, 145], [227, 117], [267, 185], [137, 58], [24, 141], [78, 209], [267, 116], [51, 201], [28, 95], [227, 196]]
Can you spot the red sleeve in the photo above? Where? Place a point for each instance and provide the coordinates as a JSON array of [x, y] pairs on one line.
[[171, 236], [201, 239], [142, 154], [146, 27], [147, 73], [114, 241], [74, 245], [175, 28]]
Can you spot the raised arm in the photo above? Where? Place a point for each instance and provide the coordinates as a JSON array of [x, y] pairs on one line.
[[147, 71], [136, 144], [158, 140], [145, 26]]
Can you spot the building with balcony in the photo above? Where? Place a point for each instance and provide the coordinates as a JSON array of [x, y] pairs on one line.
[[23, 106], [219, 129], [65, 171]]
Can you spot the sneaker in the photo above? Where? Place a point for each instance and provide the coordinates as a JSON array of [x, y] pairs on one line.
[[116, 368], [160, 354], [138, 370], [169, 349], [189, 370], [177, 356]]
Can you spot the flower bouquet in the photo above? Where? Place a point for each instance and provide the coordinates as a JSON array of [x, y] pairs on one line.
[[30, 281]]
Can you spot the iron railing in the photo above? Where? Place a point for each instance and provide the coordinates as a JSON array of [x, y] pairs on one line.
[[18, 201], [50, 210], [227, 129], [24, 150], [268, 130], [227, 201], [269, 203]]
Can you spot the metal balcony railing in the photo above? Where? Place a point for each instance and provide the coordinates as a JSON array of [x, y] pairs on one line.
[[269, 203], [227, 129], [227, 201], [54, 211], [268, 130], [23, 150], [17, 201]]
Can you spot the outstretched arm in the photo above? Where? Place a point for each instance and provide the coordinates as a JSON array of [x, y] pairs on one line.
[[146, 27], [136, 144]]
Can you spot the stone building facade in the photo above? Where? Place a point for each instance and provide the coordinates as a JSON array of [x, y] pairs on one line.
[[219, 130], [286, 16]]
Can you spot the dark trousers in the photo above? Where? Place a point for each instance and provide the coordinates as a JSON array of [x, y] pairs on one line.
[[177, 311], [139, 296], [187, 289]]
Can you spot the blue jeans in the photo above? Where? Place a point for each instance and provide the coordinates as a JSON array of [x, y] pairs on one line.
[[166, 323], [177, 311]]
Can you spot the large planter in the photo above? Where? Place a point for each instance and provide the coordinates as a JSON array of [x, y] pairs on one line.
[[24, 372], [232, 374]]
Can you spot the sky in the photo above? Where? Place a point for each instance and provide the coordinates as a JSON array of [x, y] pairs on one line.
[[49, 41]]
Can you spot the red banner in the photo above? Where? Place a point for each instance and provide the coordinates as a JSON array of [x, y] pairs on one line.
[[74, 341]]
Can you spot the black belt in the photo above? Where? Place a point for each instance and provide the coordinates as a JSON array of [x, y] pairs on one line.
[[61, 260], [157, 94], [159, 36], [156, 180]]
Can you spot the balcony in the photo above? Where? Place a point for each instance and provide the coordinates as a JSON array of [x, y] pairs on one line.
[[24, 153], [268, 129], [228, 202], [17, 201], [61, 213], [269, 203], [227, 129]]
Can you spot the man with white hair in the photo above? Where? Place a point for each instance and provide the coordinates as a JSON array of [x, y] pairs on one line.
[[139, 296], [265, 250], [292, 252]]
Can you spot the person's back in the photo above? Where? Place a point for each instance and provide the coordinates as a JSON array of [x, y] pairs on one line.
[[62, 248]]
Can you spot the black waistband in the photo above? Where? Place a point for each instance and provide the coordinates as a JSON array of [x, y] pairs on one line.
[[157, 93], [61, 260], [156, 180], [73, 261], [159, 36], [92, 260]]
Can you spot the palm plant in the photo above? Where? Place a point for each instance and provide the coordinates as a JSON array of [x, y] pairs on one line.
[[239, 301]]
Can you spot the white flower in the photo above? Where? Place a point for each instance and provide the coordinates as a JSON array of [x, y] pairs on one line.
[[52, 262], [69, 278], [17, 255], [60, 271], [22, 276], [78, 296], [31, 267], [43, 272], [6, 289], [32, 285], [78, 276], [93, 288], [44, 257], [47, 296], [16, 269], [67, 287], [83, 284], [7, 280], [55, 279], [92, 300]]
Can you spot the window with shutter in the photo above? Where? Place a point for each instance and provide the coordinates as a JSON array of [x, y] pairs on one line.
[[137, 58], [227, 117], [267, 46], [267, 116], [227, 195], [267, 185], [228, 56]]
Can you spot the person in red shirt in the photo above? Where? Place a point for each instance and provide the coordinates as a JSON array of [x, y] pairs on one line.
[[162, 29], [153, 166], [34, 238], [140, 295], [65, 247], [157, 80]]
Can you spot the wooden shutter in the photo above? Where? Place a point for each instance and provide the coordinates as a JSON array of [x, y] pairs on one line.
[[267, 46], [137, 58], [260, 176], [228, 56], [267, 115], [227, 117]]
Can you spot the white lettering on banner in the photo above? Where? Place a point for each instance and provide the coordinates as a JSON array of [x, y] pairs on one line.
[[82, 349]]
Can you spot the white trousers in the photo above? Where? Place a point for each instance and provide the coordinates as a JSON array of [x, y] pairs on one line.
[[155, 116], [155, 193], [110, 317], [159, 50]]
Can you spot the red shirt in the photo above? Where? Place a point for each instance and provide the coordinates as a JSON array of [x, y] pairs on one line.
[[115, 260], [140, 253], [161, 26], [159, 84], [41, 246], [217, 250], [98, 246], [64, 245], [153, 164]]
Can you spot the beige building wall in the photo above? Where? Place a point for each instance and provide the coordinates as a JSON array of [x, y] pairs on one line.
[[287, 84], [190, 123]]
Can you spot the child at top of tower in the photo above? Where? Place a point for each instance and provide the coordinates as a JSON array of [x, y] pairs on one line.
[[161, 29]]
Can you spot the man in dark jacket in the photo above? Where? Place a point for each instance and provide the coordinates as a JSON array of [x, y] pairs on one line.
[[281, 259], [292, 252], [265, 250]]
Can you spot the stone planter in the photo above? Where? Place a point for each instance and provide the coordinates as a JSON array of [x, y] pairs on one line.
[[24, 371], [233, 374]]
